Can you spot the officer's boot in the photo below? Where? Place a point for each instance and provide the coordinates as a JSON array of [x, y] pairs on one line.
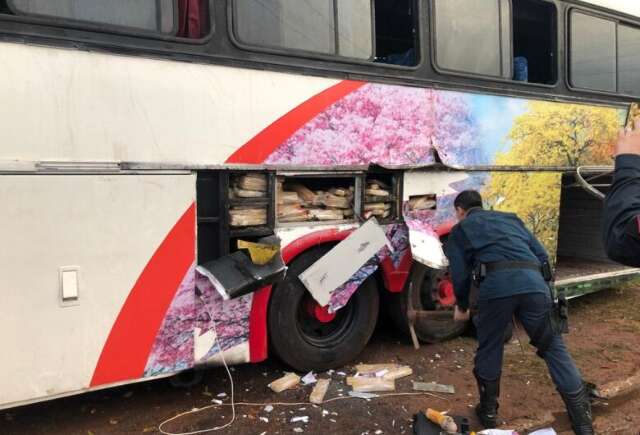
[[579, 409], [487, 409]]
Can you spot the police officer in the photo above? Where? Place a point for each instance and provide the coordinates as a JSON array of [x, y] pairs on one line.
[[621, 219], [498, 247]]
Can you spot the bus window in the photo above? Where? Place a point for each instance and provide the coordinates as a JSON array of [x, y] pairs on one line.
[[396, 32], [593, 52], [354, 28], [629, 60], [182, 18], [472, 36], [153, 15], [534, 41], [307, 25]]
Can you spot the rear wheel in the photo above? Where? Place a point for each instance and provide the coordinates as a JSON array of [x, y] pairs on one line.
[[427, 290], [306, 336]]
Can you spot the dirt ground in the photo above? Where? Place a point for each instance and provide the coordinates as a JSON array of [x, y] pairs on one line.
[[604, 339]]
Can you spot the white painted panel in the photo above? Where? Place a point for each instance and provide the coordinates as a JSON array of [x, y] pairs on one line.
[[48, 222], [333, 269], [74, 105]]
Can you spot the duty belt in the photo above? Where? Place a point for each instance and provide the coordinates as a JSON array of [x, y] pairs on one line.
[[507, 265]]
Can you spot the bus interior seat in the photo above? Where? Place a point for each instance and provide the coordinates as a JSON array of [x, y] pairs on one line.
[[534, 40], [395, 24]]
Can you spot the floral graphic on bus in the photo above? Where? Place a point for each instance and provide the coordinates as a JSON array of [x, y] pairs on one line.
[[382, 124]]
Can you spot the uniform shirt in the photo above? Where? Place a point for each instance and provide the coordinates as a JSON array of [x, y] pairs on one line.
[[490, 236], [621, 218]]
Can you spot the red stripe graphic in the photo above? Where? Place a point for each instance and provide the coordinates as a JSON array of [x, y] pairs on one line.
[[127, 348], [264, 143]]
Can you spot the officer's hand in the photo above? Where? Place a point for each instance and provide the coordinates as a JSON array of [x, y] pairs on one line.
[[629, 140], [460, 316]]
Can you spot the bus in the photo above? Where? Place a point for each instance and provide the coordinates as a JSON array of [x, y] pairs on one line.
[[141, 140]]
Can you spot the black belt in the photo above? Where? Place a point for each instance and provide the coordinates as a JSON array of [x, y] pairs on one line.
[[508, 265]]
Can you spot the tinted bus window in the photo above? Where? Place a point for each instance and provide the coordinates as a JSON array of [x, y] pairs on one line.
[[473, 36], [153, 15], [332, 27], [593, 53], [629, 60], [354, 28]]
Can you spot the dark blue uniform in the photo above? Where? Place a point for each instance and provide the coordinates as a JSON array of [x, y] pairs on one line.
[[621, 217], [493, 237]]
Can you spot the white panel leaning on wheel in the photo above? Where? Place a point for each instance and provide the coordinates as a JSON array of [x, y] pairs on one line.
[[344, 260]]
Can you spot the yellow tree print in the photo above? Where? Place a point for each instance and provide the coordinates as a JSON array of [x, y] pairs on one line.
[[550, 134]]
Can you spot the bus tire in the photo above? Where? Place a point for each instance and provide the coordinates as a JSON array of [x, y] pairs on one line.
[[419, 288], [305, 343]]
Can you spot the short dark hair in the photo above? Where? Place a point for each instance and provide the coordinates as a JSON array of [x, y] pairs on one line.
[[468, 199]]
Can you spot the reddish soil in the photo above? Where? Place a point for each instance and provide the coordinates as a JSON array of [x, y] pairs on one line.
[[604, 339]]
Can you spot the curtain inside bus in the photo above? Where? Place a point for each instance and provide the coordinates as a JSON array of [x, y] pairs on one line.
[[193, 16]]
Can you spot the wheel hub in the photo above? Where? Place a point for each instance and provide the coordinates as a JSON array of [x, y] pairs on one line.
[[321, 314], [446, 295]]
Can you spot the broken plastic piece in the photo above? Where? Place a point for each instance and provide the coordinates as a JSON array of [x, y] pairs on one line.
[[286, 382], [432, 387], [361, 395]]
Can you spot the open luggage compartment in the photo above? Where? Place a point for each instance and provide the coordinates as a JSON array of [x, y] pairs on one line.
[[582, 265]]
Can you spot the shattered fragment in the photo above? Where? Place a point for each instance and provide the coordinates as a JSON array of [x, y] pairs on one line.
[[432, 387], [361, 395]]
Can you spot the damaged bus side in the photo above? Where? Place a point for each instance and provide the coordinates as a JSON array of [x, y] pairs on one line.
[[140, 146]]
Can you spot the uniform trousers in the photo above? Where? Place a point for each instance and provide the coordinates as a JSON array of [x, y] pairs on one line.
[[532, 310]]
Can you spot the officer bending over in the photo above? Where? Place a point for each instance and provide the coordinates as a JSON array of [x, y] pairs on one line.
[[621, 231], [508, 261]]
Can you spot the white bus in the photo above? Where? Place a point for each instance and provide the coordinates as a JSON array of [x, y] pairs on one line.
[[130, 133]]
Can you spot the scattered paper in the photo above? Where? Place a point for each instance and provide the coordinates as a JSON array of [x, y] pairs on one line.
[[268, 408], [300, 419], [309, 378], [547, 431]]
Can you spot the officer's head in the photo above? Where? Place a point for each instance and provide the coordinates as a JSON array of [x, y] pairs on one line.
[[465, 201]]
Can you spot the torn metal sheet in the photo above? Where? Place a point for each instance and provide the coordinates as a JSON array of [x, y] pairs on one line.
[[332, 271], [426, 248], [236, 275]]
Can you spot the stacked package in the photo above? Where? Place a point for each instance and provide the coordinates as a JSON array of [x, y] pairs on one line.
[[297, 203], [248, 187], [378, 200]]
